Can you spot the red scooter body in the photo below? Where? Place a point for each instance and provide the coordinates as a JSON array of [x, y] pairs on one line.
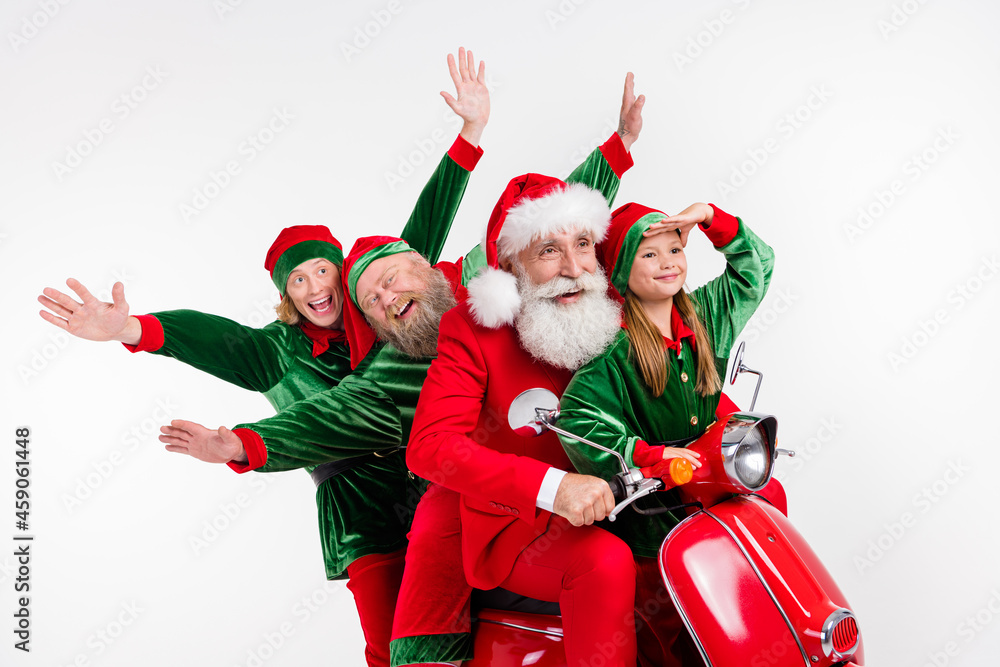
[[750, 590]]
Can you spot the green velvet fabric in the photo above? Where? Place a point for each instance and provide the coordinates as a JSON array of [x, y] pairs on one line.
[[608, 403], [366, 509], [436, 649]]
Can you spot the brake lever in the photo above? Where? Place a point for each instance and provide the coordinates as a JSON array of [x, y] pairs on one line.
[[643, 489]]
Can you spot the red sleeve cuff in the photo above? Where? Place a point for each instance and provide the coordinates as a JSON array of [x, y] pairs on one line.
[[723, 228], [614, 152], [151, 339], [255, 448], [644, 455], [465, 154]]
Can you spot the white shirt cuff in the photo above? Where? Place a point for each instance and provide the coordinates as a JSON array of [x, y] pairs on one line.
[[550, 485]]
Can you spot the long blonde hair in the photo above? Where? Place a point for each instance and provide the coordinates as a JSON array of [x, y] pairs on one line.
[[646, 346]]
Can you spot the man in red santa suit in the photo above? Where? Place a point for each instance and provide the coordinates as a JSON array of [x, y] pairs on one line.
[[535, 316]]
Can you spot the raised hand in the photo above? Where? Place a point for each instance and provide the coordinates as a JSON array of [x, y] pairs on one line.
[[473, 102], [92, 319], [683, 222], [630, 117], [218, 446]]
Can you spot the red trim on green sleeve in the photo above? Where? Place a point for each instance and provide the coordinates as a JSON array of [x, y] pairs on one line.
[[619, 159], [465, 154], [255, 448], [151, 338], [723, 228], [644, 454]]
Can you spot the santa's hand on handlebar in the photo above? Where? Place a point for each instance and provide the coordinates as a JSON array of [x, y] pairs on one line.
[[583, 499]]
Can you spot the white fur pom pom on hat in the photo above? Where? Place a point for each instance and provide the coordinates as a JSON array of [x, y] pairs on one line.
[[493, 298]]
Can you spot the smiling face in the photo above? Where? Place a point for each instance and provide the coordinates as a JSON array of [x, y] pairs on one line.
[[566, 255], [659, 269], [387, 287], [314, 287]]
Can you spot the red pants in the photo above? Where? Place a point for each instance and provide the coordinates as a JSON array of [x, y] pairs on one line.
[[432, 614], [374, 582], [662, 638], [591, 574]]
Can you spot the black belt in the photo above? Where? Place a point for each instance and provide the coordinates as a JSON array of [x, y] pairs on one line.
[[325, 471]]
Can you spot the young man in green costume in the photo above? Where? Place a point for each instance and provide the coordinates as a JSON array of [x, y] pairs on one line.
[[432, 621], [306, 352]]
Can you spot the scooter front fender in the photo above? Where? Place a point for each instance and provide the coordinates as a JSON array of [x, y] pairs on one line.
[[750, 589]]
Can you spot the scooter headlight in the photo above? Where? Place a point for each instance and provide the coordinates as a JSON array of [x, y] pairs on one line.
[[748, 450]]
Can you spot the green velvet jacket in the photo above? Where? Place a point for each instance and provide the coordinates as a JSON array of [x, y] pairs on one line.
[[277, 361], [374, 410], [608, 403]]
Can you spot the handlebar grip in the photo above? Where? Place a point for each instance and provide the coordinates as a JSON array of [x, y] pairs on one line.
[[618, 488]]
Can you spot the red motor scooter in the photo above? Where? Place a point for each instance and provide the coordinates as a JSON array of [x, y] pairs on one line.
[[750, 590]]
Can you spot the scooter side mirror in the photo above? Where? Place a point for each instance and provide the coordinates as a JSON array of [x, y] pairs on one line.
[[738, 368], [532, 411]]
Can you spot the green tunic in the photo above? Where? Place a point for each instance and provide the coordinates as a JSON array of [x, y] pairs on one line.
[[608, 403], [363, 510], [315, 431]]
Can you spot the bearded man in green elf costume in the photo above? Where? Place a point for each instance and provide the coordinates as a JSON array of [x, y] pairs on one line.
[[397, 293], [660, 380], [307, 351]]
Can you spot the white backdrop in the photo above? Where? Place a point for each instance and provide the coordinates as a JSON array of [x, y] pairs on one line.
[[857, 138]]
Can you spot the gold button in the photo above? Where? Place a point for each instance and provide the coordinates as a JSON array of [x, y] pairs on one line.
[[694, 420], [684, 377]]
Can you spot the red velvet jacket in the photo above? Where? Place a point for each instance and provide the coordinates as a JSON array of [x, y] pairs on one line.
[[461, 440]]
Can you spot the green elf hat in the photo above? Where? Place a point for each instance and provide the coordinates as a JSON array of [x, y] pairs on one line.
[[298, 244], [360, 336], [616, 252]]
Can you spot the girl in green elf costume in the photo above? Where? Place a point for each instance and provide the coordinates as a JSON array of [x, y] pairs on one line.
[[661, 379]]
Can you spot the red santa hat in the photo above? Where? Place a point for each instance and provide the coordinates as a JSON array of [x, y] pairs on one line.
[[360, 335], [617, 252], [532, 206], [298, 244]]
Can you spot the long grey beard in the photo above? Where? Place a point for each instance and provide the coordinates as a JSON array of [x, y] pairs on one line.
[[571, 334], [417, 335]]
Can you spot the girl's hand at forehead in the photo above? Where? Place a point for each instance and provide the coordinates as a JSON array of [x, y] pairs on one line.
[[683, 222]]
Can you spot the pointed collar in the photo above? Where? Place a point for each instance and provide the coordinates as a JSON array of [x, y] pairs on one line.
[[322, 337]]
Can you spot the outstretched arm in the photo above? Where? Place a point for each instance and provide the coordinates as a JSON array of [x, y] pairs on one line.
[[427, 228]]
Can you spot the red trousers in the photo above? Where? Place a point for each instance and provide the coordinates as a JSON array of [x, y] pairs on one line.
[[434, 597], [592, 575], [374, 582]]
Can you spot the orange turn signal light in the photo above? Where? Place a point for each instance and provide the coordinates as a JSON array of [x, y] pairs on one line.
[[681, 471]]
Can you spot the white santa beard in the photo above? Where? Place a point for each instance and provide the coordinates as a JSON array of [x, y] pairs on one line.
[[566, 335]]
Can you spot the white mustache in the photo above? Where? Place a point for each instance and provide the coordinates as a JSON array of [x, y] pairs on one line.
[[561, 285]]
